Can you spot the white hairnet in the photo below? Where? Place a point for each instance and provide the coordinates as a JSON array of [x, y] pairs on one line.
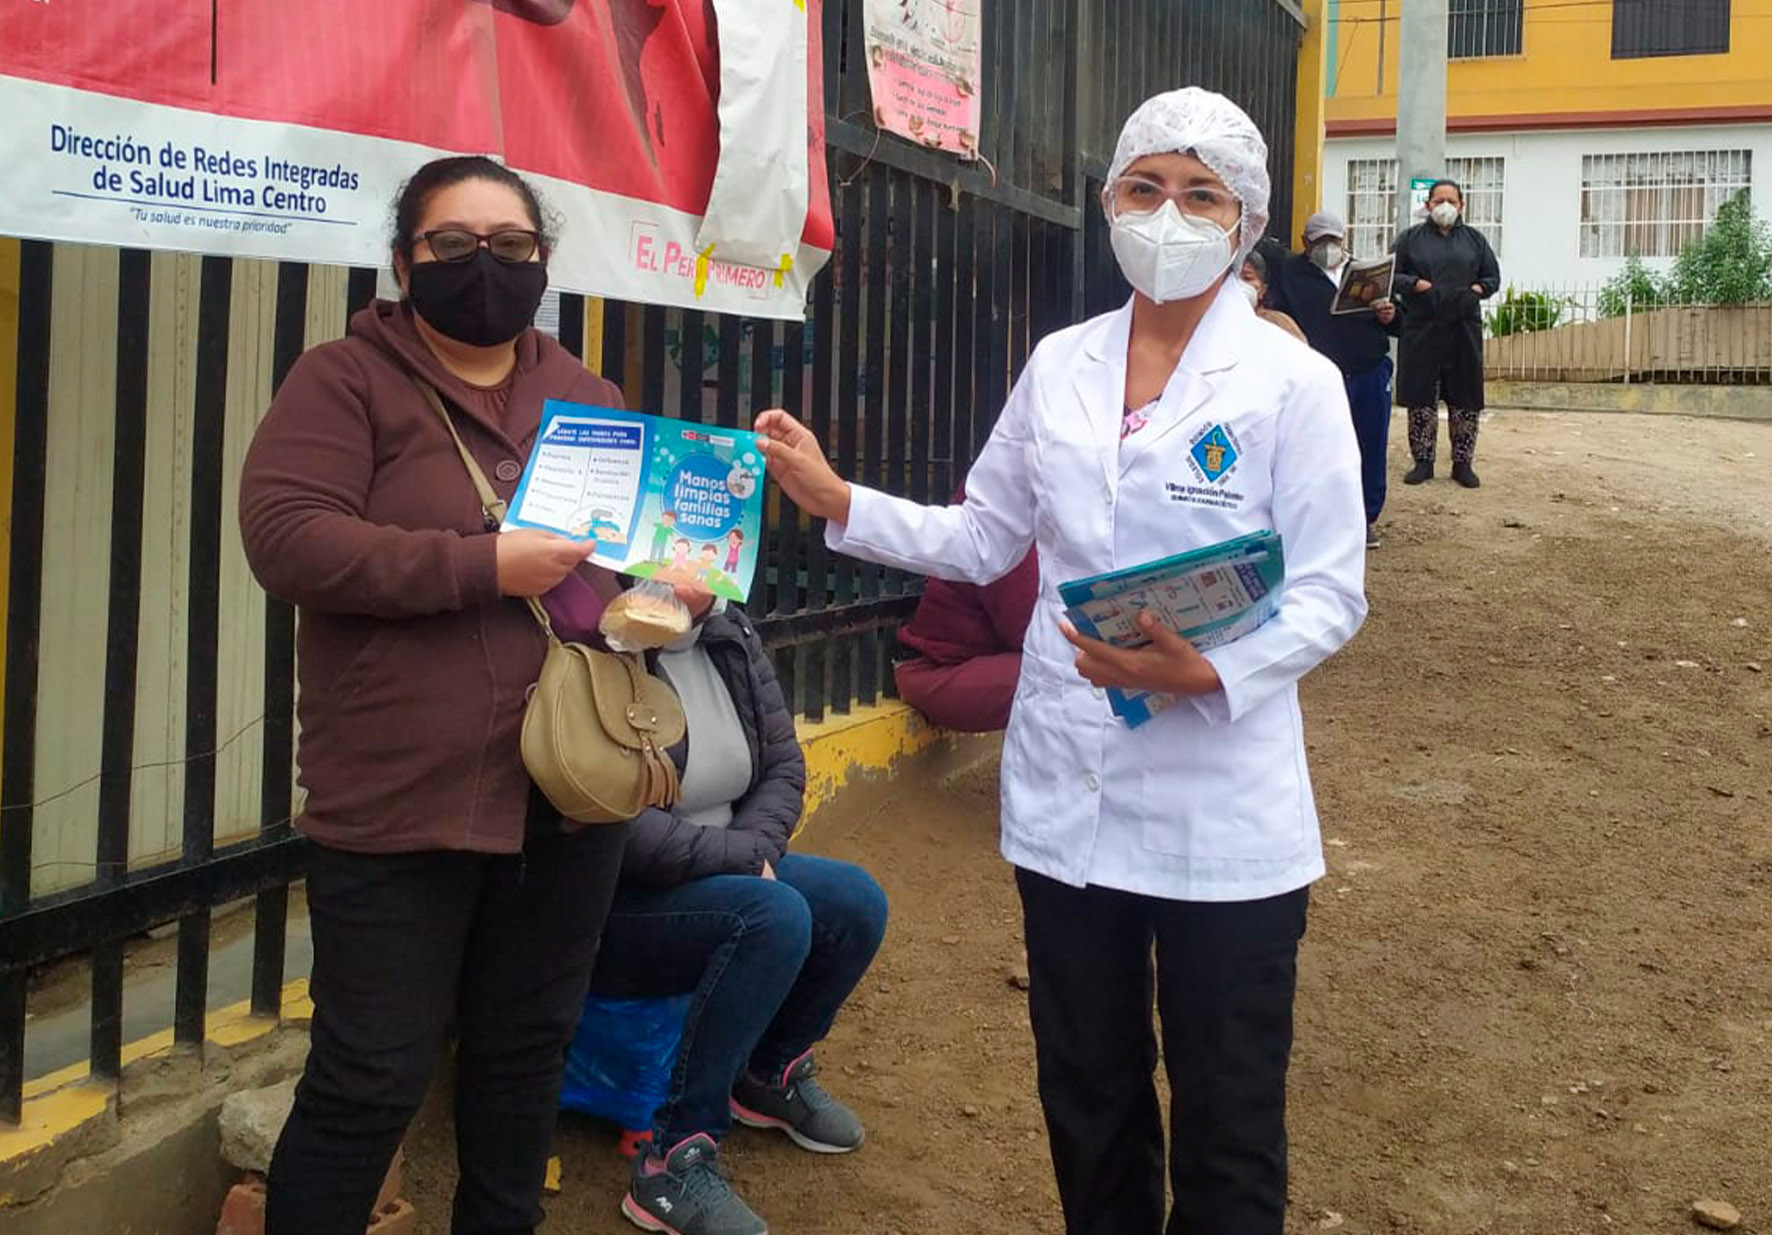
[[1212, 129]]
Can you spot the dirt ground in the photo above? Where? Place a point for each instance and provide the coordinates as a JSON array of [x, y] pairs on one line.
[[1536, 996]]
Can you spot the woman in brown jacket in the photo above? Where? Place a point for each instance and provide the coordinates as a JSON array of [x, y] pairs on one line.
[[442, 888]]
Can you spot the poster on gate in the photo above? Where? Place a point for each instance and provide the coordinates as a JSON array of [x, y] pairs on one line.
[[924, 71], [680, 142]]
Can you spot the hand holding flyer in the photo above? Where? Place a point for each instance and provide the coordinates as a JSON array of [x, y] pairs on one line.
[[663, 499]]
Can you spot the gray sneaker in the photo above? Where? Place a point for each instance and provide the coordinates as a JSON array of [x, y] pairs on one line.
[[795, 1103], [687, 1195]]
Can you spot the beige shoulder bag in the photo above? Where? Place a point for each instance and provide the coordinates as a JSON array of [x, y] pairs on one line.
[[598, 727]]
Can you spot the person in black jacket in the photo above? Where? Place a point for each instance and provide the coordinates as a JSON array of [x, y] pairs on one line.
[[1446, 270], [1305, 287], [771, 943]]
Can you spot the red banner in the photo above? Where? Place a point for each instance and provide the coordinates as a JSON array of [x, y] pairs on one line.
[[667, 133]]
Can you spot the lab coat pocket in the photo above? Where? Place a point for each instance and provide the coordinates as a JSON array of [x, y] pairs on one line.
[[1249, 802]]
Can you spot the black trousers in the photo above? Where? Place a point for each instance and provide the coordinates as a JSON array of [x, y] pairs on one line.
[[405, 945], [1224, 982]]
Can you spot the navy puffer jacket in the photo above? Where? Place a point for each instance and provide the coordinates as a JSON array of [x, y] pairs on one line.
[[664, 850]]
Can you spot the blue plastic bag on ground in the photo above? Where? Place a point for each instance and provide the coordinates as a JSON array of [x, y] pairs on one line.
[[619, 1064]]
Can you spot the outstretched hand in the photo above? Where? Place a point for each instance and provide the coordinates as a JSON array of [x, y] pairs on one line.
[[1168, 664], [798, 463]]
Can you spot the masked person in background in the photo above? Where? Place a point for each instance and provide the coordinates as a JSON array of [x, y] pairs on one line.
[[1255, 290], [1192, 838], [1359, 343], [1445, 269], [441, 886]]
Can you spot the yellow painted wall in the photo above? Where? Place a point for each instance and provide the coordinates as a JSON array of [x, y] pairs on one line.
[[1307, 158], [1566, 65]]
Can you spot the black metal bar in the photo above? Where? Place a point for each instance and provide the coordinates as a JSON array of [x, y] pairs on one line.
[[987, 276], [824, 341], [894, 152], [966, 334], [612, 364], [900, 353], [691, 364], [877, 319], [922, 340], [786, 597], [18, 764], [652, 360], [767, 581], [276, 785], [1011, 29], [850, 327], [572, 323], [59, 926], [943, 346], [359, 289], [214, 302], [117, 741], [731, 354], [837, 621]]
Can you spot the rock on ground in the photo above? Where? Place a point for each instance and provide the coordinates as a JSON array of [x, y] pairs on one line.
[[251, 1122]]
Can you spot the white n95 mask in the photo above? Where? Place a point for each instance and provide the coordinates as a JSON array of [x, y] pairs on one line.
[[1167, 255], [1445, 214]]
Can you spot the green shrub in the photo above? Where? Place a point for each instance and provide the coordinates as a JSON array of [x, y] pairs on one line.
[[1730, 264], [1635, 285], [1523, 312]]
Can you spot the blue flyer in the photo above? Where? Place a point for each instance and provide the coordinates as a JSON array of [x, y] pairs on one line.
[[663, 499]]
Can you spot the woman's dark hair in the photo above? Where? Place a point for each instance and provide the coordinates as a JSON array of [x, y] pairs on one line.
[[1446, 184], [1256, 262], [416, 194]]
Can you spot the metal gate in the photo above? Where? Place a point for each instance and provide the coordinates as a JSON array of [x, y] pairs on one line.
[[146, 769]]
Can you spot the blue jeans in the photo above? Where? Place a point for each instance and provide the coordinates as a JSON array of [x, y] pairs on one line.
[[1369, 398], [770, 963]]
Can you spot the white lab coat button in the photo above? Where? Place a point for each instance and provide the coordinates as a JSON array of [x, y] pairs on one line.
[[1098, 692], [1107, 495], [1093, 781]]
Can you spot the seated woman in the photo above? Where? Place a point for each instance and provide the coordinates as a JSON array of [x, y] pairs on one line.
[[967, 644], [770, 943]]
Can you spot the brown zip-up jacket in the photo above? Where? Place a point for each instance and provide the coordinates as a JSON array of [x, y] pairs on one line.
[[413, 670]]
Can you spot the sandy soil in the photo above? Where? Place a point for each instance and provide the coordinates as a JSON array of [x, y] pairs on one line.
[[1536, 996]]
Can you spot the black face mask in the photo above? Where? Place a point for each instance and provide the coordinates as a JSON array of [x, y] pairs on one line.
[[481, 302]]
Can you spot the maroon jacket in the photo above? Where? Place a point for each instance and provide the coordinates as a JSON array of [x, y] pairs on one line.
[[955, 622], [355, 507]]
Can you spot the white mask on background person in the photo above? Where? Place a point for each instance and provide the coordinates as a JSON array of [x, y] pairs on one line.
[[1445, 214], [1251, 293], [1167, 255], [1328, 256]]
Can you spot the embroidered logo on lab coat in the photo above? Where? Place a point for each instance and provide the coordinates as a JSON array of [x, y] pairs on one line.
[[1214, 454]]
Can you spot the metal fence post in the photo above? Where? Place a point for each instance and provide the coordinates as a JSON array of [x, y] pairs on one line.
[[1628, 298]]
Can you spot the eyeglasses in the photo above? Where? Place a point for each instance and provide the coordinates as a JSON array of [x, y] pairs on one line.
[[457, 244], [1136, 195]]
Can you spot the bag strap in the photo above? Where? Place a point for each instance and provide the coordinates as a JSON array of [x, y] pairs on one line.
[[491, 504]]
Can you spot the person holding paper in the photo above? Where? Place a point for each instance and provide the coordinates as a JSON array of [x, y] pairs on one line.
[[1446, 270], [1178, 422], [1359, 344], [441, 886]]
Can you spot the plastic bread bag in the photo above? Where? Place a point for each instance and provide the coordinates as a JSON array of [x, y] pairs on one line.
[[646, 616]]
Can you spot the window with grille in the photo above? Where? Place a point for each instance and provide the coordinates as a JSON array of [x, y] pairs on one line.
[[1652, 204], [1669, 28], [1477, 28], [1372, 195]]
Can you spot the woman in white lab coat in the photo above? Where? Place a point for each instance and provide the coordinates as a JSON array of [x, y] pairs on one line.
[[1177, 422]]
